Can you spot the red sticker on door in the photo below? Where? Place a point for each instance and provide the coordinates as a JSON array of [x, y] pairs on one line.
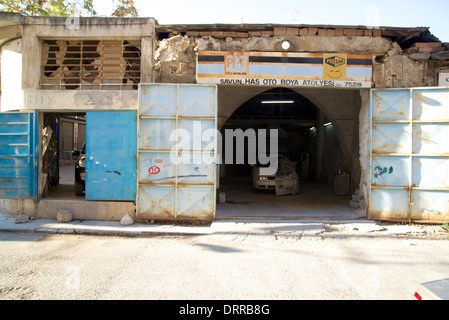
[[154, 170]]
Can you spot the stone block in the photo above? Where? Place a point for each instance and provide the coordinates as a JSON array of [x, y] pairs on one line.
[[426, 44], [292, 31], [354, 204], [368, 33], [350, 32], [425, 49], [322, 32], [126, 220], [255, 33], [280, 31], [377, 33], [304, 31], [331, 32], [441, 55], [22, 218], [235, 34], [313, 31], [64, 216]]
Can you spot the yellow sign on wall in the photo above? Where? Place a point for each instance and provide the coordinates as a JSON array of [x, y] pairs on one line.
[[335, 66]]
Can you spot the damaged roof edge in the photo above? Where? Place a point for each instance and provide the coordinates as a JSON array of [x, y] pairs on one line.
[[11, 19], [405, 36]]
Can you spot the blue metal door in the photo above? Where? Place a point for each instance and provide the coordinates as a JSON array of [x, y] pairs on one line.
[[410, 154], [18, 155], [177, 182], [111, 155]]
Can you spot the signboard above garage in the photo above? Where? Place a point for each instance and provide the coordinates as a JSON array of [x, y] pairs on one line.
[[285, 69]]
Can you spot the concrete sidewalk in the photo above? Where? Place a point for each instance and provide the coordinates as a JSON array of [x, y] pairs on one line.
[[286, 228]]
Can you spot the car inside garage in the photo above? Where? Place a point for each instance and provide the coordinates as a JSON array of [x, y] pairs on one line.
[[309, 145]]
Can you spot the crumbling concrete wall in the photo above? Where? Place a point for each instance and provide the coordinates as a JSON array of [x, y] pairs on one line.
[[175, 57], [412, 67]]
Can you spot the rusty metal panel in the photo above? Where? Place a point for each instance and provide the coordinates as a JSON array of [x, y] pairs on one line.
[[177, 176], [390, 171], [389, 203], [431, 138], [199, 132], [391, 138], [19, 140], [165, 175], [196, 202], [430, 172], [197, 171], [390, 105], [155, 134], [409, 158], [430, 205], [158, 101], [431, 104], [156, 201]]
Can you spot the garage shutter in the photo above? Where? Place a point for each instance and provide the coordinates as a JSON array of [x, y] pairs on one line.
[[18, 155], [409, 161], [111, 155], [168, 189]]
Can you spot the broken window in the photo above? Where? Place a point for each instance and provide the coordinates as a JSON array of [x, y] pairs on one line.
[[90, 64]]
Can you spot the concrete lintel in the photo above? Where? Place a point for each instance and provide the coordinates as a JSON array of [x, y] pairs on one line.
[[80, 100]]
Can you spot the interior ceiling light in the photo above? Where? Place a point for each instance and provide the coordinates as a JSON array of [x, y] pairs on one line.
[[328, 124], [278, 102]]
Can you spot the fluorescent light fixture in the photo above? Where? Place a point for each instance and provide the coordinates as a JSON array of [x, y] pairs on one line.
[[328, 124], [278, 102], [313, 128]]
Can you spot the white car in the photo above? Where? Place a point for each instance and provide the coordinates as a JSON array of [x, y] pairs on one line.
[[283, 178], [263, 180], [435, 290]]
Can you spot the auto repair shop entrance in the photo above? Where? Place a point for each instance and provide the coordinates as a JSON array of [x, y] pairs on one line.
[[318, 133]]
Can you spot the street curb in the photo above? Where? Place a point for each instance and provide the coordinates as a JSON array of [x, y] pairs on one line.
[[277, 228]]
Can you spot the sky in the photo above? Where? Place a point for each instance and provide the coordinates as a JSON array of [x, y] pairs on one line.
[[412, 13]]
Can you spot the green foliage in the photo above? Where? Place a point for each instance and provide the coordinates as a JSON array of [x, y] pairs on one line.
[[125, 8], [63, 8]]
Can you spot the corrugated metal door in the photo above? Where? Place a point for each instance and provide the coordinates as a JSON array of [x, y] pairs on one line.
[[410, 154], [175, 183], [18, 155], [111, 155]]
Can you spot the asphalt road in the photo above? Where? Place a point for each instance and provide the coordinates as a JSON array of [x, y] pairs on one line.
[[36, 266]]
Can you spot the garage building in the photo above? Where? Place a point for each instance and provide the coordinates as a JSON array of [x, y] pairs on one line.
[[361, 113]]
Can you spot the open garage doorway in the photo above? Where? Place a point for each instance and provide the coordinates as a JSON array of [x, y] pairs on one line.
[[63, 138], [313, 140]]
